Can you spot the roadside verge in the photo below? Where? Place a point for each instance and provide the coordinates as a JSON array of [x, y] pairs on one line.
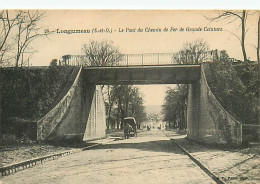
[[226, 164], [13, 168]]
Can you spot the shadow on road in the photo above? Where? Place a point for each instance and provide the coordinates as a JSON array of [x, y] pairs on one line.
[[154, 146], [162, 145], [70, 144]]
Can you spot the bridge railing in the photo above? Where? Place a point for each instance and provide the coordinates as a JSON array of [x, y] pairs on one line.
[[139, 59], [147, 59]]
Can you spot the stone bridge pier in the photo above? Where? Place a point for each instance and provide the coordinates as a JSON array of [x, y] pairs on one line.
[[80, 115], [207, 120]]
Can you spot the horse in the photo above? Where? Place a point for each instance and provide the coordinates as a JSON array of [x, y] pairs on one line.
[[127, 129]]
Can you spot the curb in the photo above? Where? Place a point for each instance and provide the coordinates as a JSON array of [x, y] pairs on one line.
[[13, 168], [198, 163], [206, 170]]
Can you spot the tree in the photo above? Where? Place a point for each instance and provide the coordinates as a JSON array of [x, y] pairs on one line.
[[54, 62], [136, 108], [18, 29], [27, 32], [101, 53], [174, 107], [7, 24], [125, 101], [104, 53], [220, 56], [110, 101], [121, 100], [232, 16], [192, 52], [223, 56]]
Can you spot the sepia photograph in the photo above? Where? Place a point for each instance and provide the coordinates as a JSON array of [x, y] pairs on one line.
[[129, 96]]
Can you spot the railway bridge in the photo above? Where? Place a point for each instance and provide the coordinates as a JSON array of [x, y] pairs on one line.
[[81, 112]]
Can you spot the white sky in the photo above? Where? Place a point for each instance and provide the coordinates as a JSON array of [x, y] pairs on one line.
[[62, 44], [154, 94]]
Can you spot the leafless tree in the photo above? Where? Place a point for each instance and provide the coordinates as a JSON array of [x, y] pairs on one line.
[[18, 29], [7, 24], [27, 31], [8, 21], [192, 52], [232, 16], [101, 53], [5, 57]]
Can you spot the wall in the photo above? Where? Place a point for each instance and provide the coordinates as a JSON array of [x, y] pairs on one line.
[[49, 123], [193, 110], [212, 123], [72, 124], [80, 114], [96, 125]]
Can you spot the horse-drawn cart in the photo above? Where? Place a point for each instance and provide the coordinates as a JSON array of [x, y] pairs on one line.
[[130, 127]]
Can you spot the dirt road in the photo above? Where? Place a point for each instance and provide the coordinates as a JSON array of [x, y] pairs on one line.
[[150, 158]]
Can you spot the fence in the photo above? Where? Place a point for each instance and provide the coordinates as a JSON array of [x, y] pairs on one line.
[[139, 59]]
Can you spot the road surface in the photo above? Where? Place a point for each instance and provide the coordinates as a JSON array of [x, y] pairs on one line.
[[151, 158]]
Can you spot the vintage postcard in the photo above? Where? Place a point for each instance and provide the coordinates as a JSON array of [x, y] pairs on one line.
[[129, 96]]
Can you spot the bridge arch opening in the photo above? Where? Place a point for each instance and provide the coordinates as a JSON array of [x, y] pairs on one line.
[[148, 75]]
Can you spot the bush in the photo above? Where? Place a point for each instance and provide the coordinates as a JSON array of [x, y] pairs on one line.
[[235, 92], [28, 93]]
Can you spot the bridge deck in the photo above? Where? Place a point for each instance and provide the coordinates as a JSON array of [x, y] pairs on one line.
[[156, 74]]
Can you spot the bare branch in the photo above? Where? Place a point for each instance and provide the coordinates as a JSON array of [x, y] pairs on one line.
[[27, 32], [101, 53], [232, 16], [224, 15], [235, 35]]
